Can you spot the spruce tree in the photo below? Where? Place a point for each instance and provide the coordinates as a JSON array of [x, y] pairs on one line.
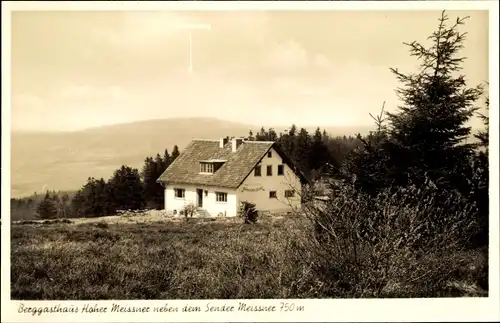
[[272, 135], [429, 129], [47, 208], [149, 179], [302, 150], [126, 189], [77, 204], [250, 135], [158, 191], [175, 154], [166, 158], [319, 155], [93, 199], [291, 144]]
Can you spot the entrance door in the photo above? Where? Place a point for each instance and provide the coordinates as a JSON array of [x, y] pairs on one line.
[[199, 192]]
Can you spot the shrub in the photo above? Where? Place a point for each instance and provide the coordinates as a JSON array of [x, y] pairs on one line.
[[188, 210], [248, 212], [402, 242]]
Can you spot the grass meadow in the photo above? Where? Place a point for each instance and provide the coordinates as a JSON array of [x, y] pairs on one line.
[[160, 258]]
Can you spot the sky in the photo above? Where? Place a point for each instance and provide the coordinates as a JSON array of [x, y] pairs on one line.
[[75, 70]]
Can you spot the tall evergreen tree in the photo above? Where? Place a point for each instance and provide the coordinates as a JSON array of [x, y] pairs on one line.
[[151, 171], [166, 158], [369, 163], [47, 208], [149, 180], [159, 195], [77, 204], [262, 135], [63, 206], [272, 135], [250, 135], [428, 130], [175, 154], [319, 155], [302, 150], [93, 199], [126, 189], [291, 142]]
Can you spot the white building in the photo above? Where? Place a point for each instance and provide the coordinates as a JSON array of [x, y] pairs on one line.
[[215, 175]]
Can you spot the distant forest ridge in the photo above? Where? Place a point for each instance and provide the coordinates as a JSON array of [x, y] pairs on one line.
[[62, 161], [209, 122]]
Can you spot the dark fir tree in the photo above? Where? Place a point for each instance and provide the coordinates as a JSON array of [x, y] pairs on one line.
[[77, 203], [149, 180], [302, 150], [319, 155], [175, 154], [63, 206], [166, 158], [262, 135], [250, 135], [272, 135], [126, 190], [290, 143], [93, 199], [429, 129], [47, 208], [368, 163], [159, 195]]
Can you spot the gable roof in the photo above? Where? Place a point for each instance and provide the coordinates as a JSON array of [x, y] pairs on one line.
[[186, 167]]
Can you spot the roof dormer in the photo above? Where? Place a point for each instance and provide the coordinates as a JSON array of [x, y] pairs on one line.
[[210, 166]]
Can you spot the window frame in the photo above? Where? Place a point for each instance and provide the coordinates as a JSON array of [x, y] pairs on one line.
[[273, 196], [259, 167], [207, 168], [218, 196], [289, 193], [269, 170], [183, 195], [282, 167]]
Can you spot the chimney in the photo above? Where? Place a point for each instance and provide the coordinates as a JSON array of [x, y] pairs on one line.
[[223, 142], [236, 143]]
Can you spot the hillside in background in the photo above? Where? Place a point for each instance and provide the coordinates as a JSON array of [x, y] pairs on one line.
[[64, 161]]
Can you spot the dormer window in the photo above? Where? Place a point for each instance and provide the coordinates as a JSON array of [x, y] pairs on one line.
[[210, 166], [206, 168]]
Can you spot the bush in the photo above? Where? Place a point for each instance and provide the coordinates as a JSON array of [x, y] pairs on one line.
[[402, 242], [188, 210], [248, 212]]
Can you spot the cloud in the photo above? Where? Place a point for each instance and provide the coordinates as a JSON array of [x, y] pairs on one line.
[[291, 55], [139, 30], [288, 55]]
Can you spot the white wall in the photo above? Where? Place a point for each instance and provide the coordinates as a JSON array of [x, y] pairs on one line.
[[278, 183], [209, 202]]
